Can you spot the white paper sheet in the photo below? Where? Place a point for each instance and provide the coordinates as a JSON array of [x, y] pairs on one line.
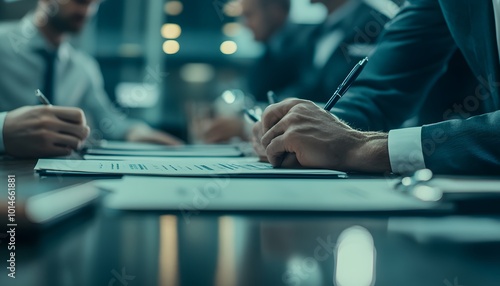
[[216, 194], [132, 150], [176, 168]]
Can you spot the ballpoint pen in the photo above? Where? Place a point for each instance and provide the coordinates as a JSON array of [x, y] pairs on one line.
[[344, 86], [42, 98], [271, 97], [251, 115]]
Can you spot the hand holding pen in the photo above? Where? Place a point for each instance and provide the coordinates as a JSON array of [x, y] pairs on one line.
[[43, 130], [250, 113], [271, 136]]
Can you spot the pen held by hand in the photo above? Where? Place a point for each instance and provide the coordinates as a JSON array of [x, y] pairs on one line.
[[346, 84], [251, 115], [42, 98]]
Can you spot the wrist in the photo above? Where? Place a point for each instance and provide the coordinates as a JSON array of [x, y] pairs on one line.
[[136, 131], [371, 154]]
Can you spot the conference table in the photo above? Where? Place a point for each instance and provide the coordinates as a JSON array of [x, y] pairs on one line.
[[99, 246]]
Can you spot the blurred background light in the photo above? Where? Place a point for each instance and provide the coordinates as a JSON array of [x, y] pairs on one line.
[[231, 29], [171, 47], [171, 31], [228, 97], [129, 50], [228, 47], [137, 95], [233, 9], [197, 73], [173, 8]]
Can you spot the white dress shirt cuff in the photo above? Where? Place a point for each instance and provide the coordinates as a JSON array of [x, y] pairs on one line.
[[2, 121], [405, 150]]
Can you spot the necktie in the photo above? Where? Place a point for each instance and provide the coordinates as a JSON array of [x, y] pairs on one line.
[[48, 77]]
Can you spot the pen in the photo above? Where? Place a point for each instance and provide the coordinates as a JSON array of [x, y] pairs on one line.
[[344, 86], [271, 97], [42, 97], [251, 115]]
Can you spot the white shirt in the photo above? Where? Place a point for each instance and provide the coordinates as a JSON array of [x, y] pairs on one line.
[[405, 145]]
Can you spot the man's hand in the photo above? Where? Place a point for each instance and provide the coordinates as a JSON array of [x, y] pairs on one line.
[[258, 132], [44, 131], [298, 132], [145, 134], [224, 129]]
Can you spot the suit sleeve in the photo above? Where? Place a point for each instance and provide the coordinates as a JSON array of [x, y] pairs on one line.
[[109, 121], [412, 54], [468, 146]]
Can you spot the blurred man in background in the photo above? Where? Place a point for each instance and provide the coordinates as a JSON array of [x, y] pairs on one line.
[[309, 64], [284, 43], [348, 34], [278, 67], [414, 52], [35, 54]]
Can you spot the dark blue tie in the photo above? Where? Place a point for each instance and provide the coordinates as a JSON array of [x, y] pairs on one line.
[[49, 58]]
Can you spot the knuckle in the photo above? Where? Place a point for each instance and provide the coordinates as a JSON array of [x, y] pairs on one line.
[[300, 108], [44, 109], [79, 112], [45, 122], [38, 111], [291, 119], [86, 131], [257, 130], [291, 136], [295, 101], [43, 136]]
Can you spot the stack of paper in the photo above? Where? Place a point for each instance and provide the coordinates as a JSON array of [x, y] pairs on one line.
[[125, 149], [177, 168]]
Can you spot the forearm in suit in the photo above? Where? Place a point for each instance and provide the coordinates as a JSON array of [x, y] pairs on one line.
[[470, 146], [412, 54]]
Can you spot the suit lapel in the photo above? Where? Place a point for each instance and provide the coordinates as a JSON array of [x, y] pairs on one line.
[[472, 25]]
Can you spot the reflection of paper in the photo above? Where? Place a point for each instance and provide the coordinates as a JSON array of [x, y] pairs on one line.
[[467, 185], [455, 228], [198, 194], [175, 168]]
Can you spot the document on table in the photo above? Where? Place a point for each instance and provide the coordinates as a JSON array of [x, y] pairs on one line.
[[179, 168], [229, 152], [134, 146], [165, 151], [243, 194]]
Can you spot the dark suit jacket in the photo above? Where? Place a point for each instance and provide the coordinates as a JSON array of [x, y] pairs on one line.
[[280, 68], [361, 29], [413, 54]]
